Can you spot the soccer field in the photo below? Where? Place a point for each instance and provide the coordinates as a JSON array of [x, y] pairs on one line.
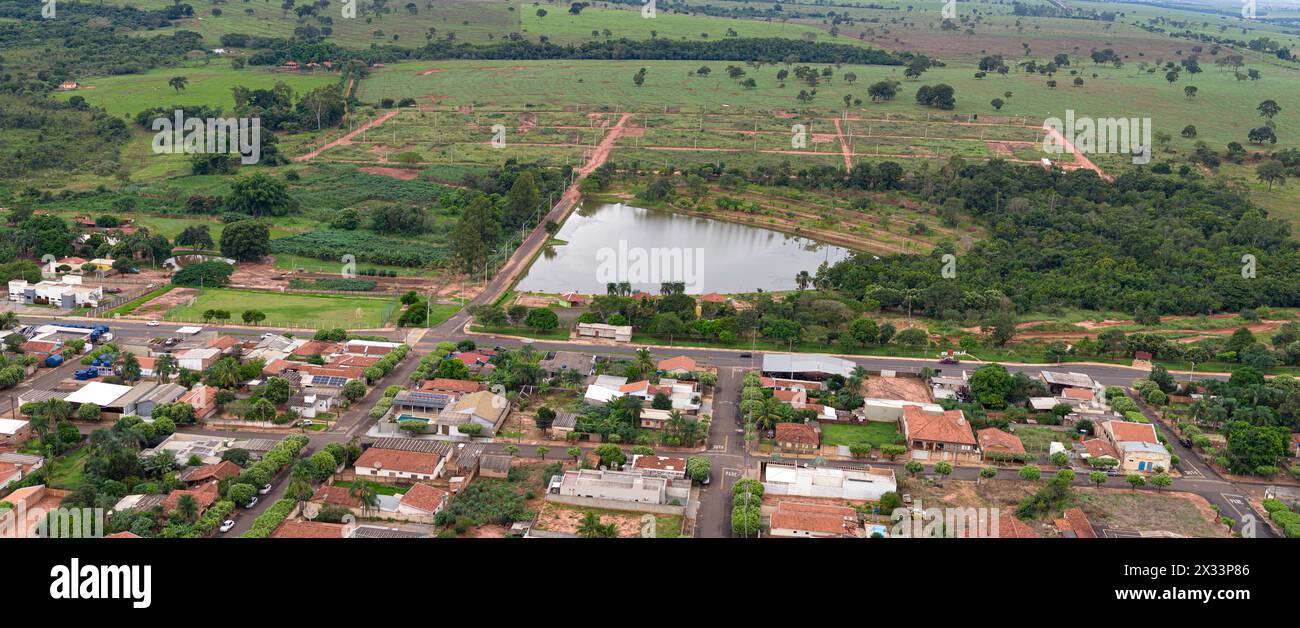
[[290, 310]]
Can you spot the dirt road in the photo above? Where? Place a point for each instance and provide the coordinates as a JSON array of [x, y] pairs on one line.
[[347, 139]]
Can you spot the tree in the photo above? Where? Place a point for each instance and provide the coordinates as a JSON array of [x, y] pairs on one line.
[[177, 83], [574, 452], [943, 468], [998, 103], [542, 319], [260, 195], [989, 384], [988, 473], [1271, 172], [1135, 480], [698, 468], [1268, 109], [353, 390], [246, 240], [187, 508], [591, 526], [1030, 473], [253, 317], [1161, 480], [365, 494], [475, 234], [913, 467], [89, 412], [611, 456], [197, 237], [1098, 478], [241, 494]]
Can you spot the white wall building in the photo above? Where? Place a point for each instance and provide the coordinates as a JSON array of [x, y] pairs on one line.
[[850, 484]]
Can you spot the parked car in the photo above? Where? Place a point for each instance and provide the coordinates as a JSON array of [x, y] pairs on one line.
[[746, 355], [152, 323], [264, 490], [227, 525], [252, 502], [112, 290], [1185, 442]]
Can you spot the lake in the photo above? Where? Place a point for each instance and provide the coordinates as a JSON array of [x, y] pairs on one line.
[[618, 242]]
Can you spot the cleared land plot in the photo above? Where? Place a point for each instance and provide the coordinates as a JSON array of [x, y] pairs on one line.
[[872, 433], [902, 388], [291, 310], [555, 517], [1146, 511]]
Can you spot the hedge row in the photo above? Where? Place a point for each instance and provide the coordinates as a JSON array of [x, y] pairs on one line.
[[278, 457], [1288, 519], [270, 520]]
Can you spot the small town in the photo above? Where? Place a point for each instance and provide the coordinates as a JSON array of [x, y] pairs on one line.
[[191, 431], [954, 282]]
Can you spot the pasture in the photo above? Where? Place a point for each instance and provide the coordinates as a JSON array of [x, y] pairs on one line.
[[289, 310]]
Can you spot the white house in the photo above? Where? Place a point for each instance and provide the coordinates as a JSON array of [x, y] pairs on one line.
[[851, 484], [399, 464]]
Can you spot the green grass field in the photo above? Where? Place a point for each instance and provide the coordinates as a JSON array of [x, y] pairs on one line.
[[872, 433], [290, 310], [562, 27], [208, 85]]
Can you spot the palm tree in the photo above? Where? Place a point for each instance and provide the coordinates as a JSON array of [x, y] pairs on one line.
[[803, 279], [644, 362], [592, 528], [164, 366], [225, 373], [187, 508], [177, 82], [768, 413], [366, 496], [8, 320]]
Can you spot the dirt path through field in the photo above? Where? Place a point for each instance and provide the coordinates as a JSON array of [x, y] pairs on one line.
[[1079, 158], [347, 139], [844, 146]]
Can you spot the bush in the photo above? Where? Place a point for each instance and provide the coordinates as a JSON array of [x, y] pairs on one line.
[[270, 520]]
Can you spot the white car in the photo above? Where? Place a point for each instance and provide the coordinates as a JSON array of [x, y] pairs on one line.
[[152, 323], [227, 525], [252, 502], [264, 490]]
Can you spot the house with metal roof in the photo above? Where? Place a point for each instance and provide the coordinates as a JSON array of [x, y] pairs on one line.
[[815, 366]]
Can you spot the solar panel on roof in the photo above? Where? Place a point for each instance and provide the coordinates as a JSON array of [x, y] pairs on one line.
[[328, 380]]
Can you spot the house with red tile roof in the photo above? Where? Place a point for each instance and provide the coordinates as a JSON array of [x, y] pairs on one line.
[[994, 440], [225, 343], [203, 398], [660, 466], [793, 519], [204, 495], [939, 436], [394, 464], [299, 529], [203, 473], [422, 500], [1074, 524], [335, 496], [1138, 446], [677, 366], [798, 437]]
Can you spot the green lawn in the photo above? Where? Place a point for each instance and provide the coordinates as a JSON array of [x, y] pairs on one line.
[[873, 433], [290, 310], [65, 472], [210, 85], [1040, 438], [380, 489]]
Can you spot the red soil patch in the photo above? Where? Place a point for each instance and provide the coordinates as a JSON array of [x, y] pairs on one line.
[[396, 173], [428, 72]]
